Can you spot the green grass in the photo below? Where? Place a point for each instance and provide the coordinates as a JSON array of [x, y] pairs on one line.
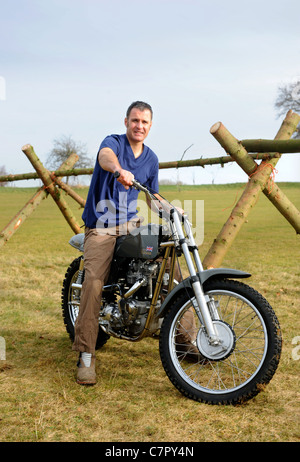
[[134, 400]]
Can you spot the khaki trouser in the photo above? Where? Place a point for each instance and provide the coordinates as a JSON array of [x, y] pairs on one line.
[[98, 253]]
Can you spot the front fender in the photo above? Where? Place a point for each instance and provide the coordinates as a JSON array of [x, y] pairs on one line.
[[186, 284]]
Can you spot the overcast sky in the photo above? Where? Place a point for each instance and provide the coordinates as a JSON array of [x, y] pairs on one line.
[[71, 67]]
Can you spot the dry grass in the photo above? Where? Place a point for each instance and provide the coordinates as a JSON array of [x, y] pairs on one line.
[[133, 401]]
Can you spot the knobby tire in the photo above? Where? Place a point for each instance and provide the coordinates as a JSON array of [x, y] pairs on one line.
[[256, 327]]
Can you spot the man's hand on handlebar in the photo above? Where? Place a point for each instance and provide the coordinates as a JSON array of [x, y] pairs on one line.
[[124, 177]]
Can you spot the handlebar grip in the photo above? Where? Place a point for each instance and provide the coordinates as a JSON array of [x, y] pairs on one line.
[[135, 183]]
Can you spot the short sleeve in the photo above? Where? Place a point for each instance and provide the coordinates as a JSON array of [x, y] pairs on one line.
[[112, 142]]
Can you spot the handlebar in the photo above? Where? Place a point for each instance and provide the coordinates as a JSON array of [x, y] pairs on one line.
[[136, 184], [144, 188]]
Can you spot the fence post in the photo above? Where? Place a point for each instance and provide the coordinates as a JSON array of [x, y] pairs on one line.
[[256, 184], [246, 162], [30, 206], [48, 184], [21, 216], [68, 190]]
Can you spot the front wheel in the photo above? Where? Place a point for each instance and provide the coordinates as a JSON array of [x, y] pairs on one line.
[[245, 361]]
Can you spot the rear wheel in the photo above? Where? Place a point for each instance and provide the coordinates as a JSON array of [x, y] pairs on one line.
[[71, 301], [242, 364]]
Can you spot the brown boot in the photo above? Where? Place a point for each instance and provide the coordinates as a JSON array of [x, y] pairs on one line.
[[186, 338], [86, 375], [189, 351]]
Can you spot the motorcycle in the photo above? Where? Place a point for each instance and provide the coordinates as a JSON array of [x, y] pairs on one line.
[[235, 338]]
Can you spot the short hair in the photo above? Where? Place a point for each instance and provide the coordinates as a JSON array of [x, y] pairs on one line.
[[141, 106]]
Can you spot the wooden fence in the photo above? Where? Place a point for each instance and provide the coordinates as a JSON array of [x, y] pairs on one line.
[[246, 153]]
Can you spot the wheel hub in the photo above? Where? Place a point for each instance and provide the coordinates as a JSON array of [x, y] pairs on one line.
[[223, 349]]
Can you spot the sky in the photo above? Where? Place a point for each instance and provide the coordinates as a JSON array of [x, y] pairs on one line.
[[71, 68]]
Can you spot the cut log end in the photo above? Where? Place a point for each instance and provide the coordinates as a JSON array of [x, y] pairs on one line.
[[215, 127], [26, 147]]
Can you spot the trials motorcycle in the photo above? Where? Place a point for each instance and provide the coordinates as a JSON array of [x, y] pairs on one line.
[[235, 333]]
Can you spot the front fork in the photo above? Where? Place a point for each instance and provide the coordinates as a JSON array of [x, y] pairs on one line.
[[202, 309]]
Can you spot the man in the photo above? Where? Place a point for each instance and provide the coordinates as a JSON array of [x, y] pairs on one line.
[[109, 212]]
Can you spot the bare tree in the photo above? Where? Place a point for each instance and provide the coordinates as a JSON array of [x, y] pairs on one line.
[[63, 148], [289, 98], [2, 173]]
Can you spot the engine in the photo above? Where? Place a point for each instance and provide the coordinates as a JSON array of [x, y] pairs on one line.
[[128, 315], [146, 270]]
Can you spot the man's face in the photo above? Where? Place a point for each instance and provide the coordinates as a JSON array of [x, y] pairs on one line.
[[138, 125]]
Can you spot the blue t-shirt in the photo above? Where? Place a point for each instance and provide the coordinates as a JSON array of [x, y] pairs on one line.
[[108, 202]]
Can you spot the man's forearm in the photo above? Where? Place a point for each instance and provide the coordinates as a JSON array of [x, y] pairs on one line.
[[109, 161]]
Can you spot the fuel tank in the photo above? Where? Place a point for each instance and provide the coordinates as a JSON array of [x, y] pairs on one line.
[[142, 243]]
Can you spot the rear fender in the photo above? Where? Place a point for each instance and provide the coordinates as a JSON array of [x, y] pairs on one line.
[[186, 284]]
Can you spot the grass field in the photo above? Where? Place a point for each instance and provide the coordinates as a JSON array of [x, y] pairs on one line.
[[134, 400]]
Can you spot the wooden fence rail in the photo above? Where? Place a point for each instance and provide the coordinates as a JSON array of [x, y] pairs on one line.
[[201, 162]]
